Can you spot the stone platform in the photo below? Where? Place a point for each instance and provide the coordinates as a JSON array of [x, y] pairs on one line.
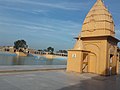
[[23, 68], [57, 80]]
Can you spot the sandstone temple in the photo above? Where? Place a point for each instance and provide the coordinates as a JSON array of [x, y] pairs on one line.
[[95, 50]]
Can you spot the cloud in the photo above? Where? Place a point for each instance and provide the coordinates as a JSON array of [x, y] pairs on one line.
[[39, 20], [57, 5], [54, 26], [23, 9]]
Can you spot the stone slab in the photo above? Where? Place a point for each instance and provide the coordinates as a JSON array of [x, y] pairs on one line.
[[31, 68], [56, 80]]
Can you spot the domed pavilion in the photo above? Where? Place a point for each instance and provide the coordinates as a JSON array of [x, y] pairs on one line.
[[95, 50]]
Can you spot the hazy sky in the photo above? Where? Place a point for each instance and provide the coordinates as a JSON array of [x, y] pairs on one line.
[[44, 23]]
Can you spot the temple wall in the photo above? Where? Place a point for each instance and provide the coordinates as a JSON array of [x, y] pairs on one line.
[[97, 55], [74, 61], [112, 57]]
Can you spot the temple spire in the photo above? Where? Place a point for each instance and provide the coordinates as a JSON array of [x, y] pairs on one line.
[[98, 22], [99, 0]]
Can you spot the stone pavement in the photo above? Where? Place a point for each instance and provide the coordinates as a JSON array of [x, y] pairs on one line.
[[31, 68], [57, 80]]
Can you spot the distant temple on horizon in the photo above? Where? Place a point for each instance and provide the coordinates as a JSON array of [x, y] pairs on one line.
[[95, 50]]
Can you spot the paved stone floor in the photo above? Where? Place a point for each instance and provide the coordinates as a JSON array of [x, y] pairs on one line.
[[31, 68], [57, 80]]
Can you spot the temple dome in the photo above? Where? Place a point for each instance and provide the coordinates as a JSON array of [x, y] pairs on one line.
[[98, 21]]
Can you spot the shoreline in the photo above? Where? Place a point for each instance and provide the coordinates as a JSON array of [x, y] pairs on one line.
[[50, 56], [7, 52]]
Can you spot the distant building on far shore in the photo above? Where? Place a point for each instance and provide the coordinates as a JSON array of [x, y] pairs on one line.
[[7, 48]]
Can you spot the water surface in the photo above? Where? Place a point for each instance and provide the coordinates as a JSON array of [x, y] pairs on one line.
[[13, 59]]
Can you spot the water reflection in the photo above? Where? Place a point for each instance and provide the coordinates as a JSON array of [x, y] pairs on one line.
[[12, 59]]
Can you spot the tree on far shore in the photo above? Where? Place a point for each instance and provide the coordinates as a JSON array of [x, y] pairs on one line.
[[20, 44], [50, 49]]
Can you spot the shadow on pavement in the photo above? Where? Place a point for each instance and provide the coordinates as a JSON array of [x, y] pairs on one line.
[[97, 83]]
